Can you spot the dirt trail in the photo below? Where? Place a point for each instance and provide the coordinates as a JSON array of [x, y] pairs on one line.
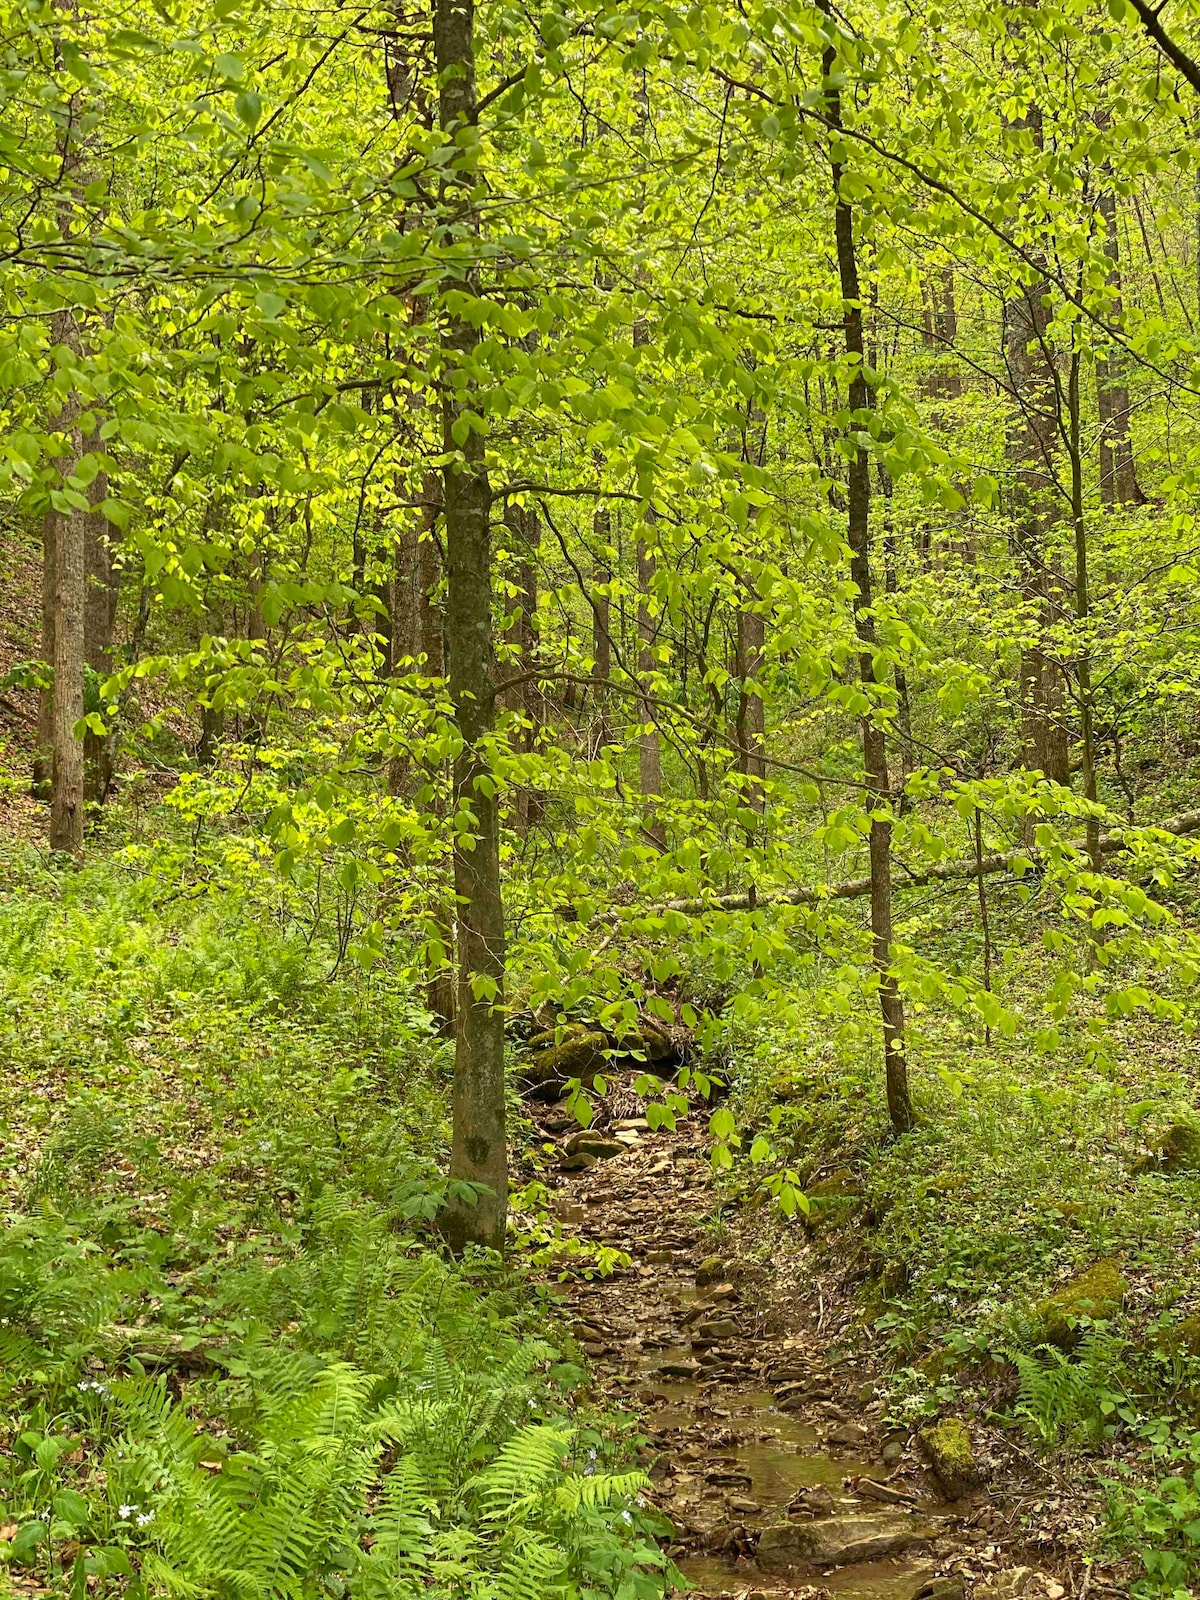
[[777, 1473]]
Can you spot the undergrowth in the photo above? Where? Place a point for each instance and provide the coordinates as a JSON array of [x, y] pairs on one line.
[[232, 1362]]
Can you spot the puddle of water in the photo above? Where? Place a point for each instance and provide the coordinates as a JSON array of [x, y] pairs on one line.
[[776, 1473], [868, 1580]]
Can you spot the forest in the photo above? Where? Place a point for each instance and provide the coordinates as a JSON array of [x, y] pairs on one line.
[[599, 816]]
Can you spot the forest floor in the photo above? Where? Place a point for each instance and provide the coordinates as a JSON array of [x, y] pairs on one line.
[[769, 1443]]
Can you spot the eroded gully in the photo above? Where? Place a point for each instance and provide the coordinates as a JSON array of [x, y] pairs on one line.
[[777, 1481]]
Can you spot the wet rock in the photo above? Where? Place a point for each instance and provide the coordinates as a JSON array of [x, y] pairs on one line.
[[892, 1452], [849, 1434], [1095, 1294], [680, 1369], [815, 1502], [546, 1069], [710, 1270], [839, 1541], [949, 1451]]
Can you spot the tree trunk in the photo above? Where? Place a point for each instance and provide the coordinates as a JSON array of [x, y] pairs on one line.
[[479, 1153], [67, 539], [99, 620], [1044, 743], [43, 750], [1118, 474], [858, 507], [751, 708], [649, 745], [601, 626]]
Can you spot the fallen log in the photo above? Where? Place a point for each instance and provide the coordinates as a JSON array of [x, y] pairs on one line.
[[967, 867]]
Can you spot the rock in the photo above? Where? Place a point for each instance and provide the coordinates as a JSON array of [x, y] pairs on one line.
[[548, 1066], [660, 1258], [577, 1163], [710, 1270], [949, 1451], [892, 1452], [721, 1328], [1009, 1585], [593, 1144], [748, 1508], [680, 1369], [947, 1588], [1179, 1149], [849, 1434], [815, 1502], [1179, 1338], [1095, 1294], [840, 1541], [840, 1185]]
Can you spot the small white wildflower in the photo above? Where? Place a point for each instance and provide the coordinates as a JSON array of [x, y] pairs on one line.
[[144, 1517], [627, 1516], [641, 1499], [591, 1455], [125, 1512]]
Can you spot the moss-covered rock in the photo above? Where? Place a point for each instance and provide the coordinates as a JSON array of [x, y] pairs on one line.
[[1179, 1338], [548, 1066], [840, 1185], [1179, 1148], [939, 1364], [949, 1451], [1093, 1295]]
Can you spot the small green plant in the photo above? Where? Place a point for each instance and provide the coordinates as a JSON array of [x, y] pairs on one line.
[[1160, 1521]]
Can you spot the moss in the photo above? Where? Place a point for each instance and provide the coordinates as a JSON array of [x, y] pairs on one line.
[[1179, 1338], [949, 1451], [939, 1364], [1095, 1294], [840, 1185], [581, 1055], [1179, 1148]]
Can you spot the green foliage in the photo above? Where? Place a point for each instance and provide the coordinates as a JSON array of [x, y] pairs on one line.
[[237, 1366]]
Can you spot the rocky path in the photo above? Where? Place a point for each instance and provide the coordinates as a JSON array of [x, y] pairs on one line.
[[767, 1451]]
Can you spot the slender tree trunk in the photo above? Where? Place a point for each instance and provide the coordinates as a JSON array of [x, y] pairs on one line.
[[649, 745], [1118, 473], [68, 541], [479, 1153], [99, 620], [858, 504], [43, 750], [441, 994], [601, 626], [1031, 448], [750, 727], [1083, 668]]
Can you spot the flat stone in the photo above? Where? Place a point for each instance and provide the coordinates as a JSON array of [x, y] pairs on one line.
[[840, 1541], [719, 1328], [679, 1369], [592, 1144], [579, 1162], [847, 1433]]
